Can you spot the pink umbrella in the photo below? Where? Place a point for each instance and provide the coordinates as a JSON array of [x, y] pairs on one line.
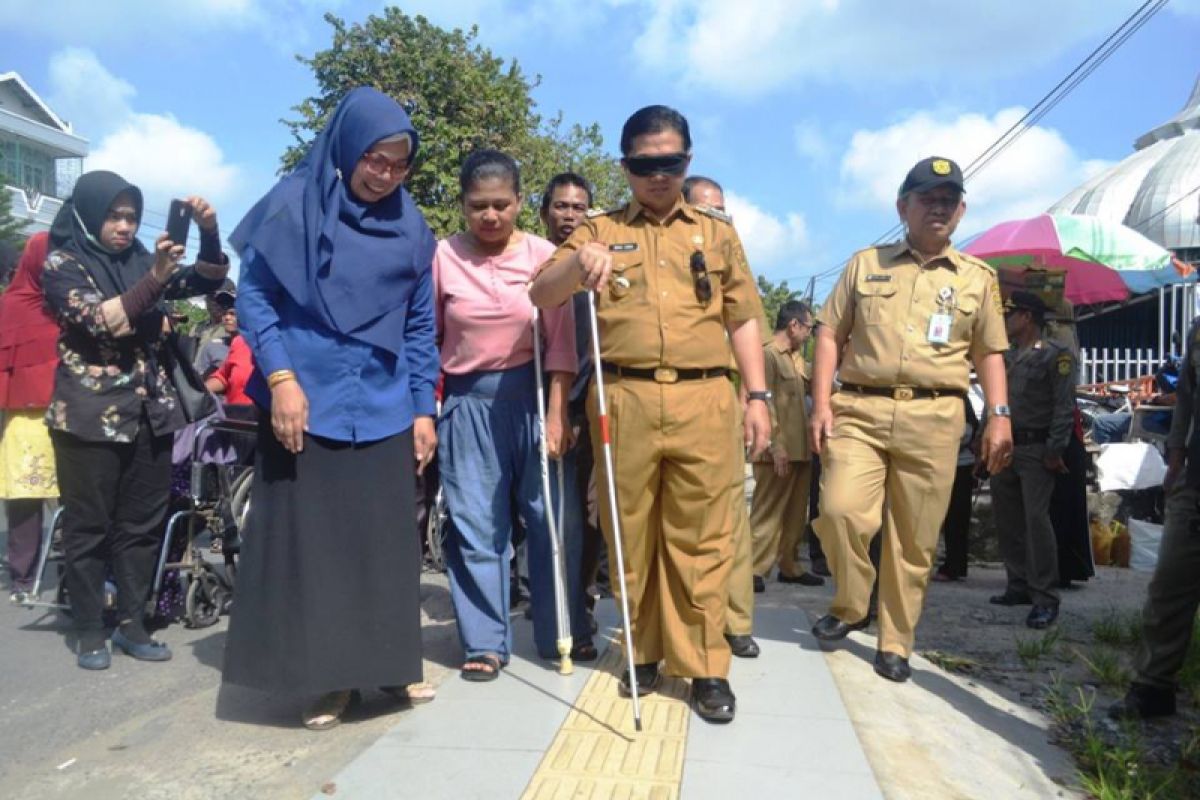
[[1103, 261]]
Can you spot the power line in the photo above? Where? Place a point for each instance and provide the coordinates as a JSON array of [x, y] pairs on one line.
[[1101, 53]]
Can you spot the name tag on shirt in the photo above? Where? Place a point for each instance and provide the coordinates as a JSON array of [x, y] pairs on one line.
[[624, 247], [939, 328], [878, 278]]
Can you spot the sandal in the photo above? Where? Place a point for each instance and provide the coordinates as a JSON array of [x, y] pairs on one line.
[[490, 673], [415, 693], [327, 711]]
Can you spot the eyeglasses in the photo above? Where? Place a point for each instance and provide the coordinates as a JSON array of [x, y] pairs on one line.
[[381, 166], [948, 202], [645, 166], [700, 277]]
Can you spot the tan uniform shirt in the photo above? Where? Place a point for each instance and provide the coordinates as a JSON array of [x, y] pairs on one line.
[[649, 314], [880, 314], [787, 381]]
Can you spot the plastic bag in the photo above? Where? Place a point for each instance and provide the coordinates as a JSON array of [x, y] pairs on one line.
[[1144, 540], [1132, 465]]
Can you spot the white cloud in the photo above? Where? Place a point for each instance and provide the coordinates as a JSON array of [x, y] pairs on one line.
[[282, 22], [164, 157], [811, 142], [1023, 181], [753, 46], [772, 243]]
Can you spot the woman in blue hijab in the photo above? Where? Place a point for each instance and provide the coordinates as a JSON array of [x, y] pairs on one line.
[[335, 301]]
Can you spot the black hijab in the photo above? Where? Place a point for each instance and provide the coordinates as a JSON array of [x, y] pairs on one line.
[[76, 230]]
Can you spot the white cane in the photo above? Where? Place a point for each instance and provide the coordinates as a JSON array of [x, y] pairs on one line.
[[611, 485], [561, 610]]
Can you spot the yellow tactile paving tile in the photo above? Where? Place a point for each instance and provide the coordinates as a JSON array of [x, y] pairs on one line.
[[597, 755]]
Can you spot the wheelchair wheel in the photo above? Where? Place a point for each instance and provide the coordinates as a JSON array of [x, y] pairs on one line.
[[435, 533], [206, 597], [239, 506]]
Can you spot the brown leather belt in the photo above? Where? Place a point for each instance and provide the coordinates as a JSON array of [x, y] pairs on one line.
[[1030, 435], [903, 392], [663, 374]]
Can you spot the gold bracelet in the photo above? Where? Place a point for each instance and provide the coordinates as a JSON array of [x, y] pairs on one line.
[[280, 376]]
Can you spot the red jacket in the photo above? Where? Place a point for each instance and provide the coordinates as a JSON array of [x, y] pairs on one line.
[[28, 334]]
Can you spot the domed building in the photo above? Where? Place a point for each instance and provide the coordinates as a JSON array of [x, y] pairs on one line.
[[1155, 191]]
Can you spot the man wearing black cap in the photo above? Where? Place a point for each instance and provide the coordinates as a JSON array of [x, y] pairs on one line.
[[900, 328], [212, 340], [1041, 385]]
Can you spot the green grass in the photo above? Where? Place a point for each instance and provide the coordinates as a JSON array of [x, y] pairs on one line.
[[1118, 628], [1189, 676], [950, 662], [1105, 666], [1033, 649]]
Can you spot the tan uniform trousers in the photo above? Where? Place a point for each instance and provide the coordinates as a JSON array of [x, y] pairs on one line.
[[739, 619], [1174, 594], [673, 461], [778, 517], [888, 463]]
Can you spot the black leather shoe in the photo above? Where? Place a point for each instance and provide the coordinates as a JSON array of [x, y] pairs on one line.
[[1144, 702], [891, 666], [743, 646], [820, 566], [648, 679], [1041, 617], [1011, 599], [760, 585], [713, 699], [829, 628], [807, 579]]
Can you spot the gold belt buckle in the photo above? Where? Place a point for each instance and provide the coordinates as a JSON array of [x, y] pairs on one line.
[[666, 375], [902, 393]]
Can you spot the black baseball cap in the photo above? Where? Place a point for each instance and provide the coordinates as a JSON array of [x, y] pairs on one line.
[[1027, 301], [227, 289], [929, 173]]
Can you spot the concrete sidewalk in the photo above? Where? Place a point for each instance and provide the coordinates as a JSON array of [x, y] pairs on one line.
[[534, 733]]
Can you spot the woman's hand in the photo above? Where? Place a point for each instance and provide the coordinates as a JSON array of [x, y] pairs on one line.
[[203, 212], [289, 415], [556, 434], [166, 258], [424, 442]]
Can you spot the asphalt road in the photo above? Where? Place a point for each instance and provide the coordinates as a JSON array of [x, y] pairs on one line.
[[171, 730]]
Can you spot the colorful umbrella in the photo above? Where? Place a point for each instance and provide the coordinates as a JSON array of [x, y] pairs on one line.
[[1104, 261]]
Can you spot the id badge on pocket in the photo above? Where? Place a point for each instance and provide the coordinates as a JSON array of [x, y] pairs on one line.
[[939, 328]]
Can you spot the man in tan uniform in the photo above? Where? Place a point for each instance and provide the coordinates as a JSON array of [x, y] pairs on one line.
[[782, 475], [739, 617], [672, 281], [900, 327]]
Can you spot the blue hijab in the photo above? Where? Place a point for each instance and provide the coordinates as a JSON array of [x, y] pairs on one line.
[[349, 264]]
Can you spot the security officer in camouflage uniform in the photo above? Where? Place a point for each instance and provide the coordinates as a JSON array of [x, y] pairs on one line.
[[1174, 593], [674, 292], [1041, 395]]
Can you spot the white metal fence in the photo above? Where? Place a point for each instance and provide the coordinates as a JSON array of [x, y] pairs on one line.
[[1176, 310]]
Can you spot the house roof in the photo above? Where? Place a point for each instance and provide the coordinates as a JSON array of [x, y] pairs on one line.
[[35, 104]]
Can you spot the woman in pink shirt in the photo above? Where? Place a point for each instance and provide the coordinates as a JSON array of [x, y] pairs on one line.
[[488, 444]]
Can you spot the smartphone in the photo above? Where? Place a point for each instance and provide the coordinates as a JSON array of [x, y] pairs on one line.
[[179, 219]]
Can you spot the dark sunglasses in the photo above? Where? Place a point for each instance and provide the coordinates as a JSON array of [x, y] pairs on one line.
[[645, 166], [700, 277]]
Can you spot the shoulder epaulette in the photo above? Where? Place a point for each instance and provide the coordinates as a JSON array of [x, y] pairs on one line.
[[975, 261], [709, 211], [592, 213]]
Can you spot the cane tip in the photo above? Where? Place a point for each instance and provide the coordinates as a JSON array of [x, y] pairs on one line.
[[566, 666], [637, 724]]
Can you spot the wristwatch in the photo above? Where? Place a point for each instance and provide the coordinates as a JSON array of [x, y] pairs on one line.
[[764, 396], [1000, 411]]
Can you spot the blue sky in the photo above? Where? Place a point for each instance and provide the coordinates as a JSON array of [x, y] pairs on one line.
[[809, 111]]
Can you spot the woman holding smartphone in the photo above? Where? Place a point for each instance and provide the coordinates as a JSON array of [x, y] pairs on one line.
[[114, 407]]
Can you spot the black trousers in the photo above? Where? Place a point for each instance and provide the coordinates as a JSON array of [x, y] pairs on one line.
[[114, 498], [957, 526]]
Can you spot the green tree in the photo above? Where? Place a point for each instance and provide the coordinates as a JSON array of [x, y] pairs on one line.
[[462, 98], [12, 237], [774, 295]]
